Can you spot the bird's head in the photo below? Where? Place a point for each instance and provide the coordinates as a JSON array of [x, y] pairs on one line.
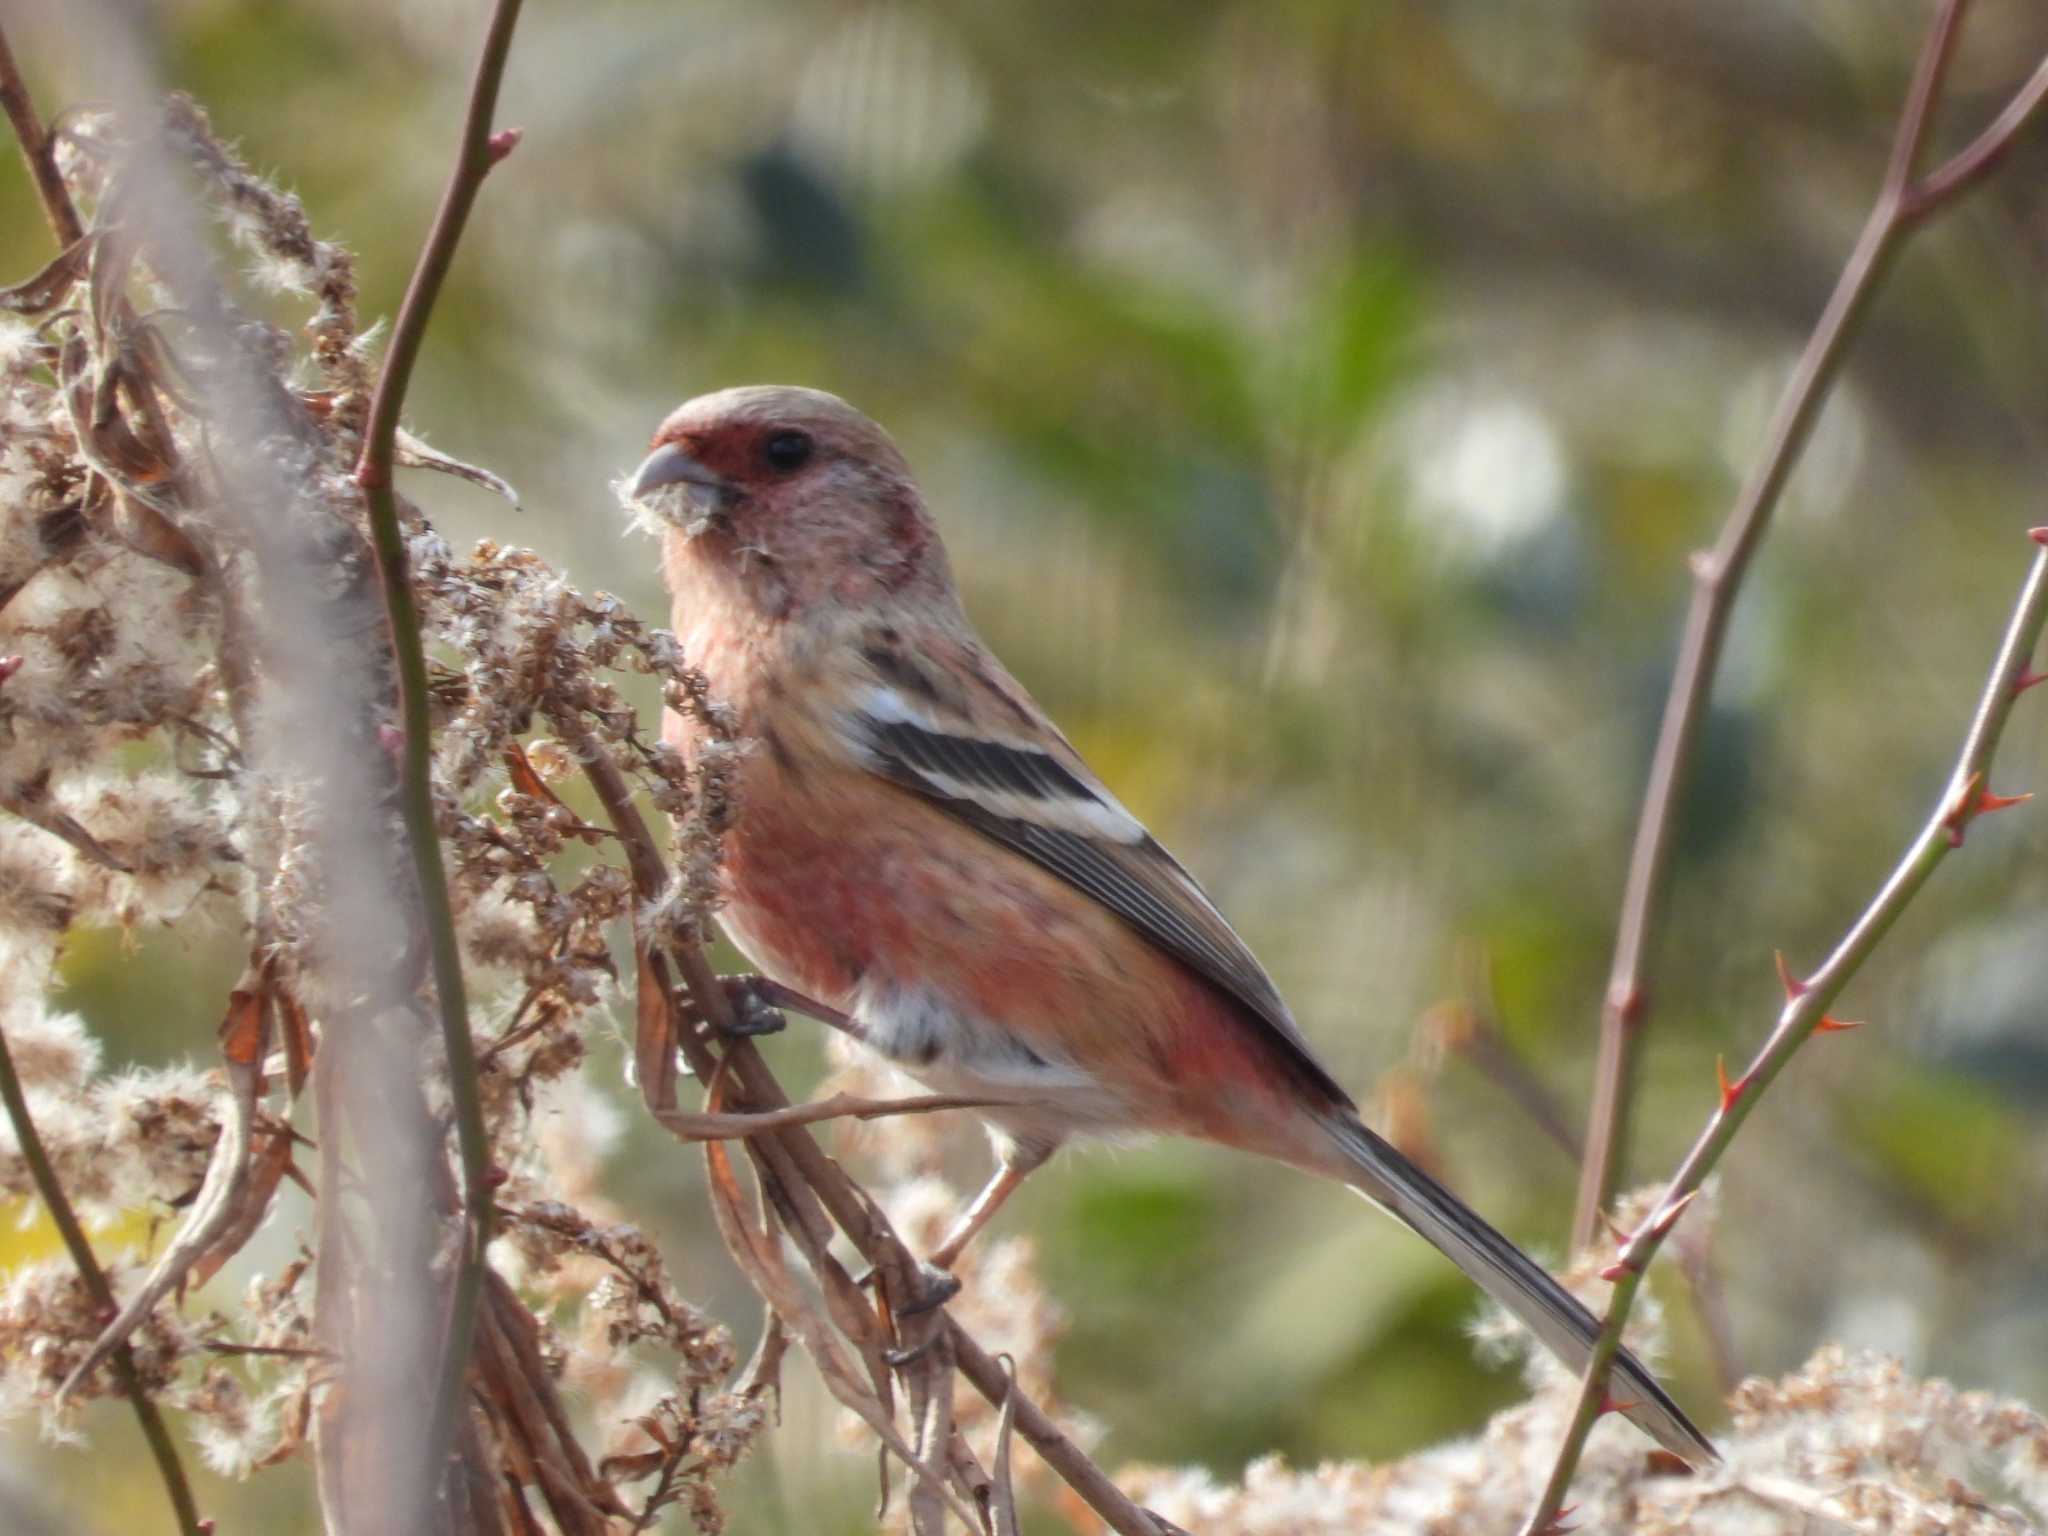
[[789, 499]]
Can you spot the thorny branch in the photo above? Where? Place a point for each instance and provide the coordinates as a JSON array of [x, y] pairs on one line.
[[1903, 205], [1966, 797], [480, 150]]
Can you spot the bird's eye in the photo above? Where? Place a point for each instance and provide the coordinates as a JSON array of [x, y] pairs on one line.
[[785, 451]]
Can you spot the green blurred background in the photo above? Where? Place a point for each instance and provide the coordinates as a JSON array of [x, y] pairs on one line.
[[1320, 400]]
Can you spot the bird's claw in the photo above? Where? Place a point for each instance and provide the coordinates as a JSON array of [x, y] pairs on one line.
[[935, 1287], [903, 1359], [752, 1014]]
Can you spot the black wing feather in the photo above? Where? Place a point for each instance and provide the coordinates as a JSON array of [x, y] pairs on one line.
[[906, 754]]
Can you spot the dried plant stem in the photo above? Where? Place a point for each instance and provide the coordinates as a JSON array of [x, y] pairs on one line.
[[51, 1193], [1806, 1008], [796, 1170], [35, 149], [64, 224], [841, 1106], [480, 150], [1903, 204]]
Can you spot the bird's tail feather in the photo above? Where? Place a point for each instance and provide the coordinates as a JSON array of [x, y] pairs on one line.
[[1380, 1173]]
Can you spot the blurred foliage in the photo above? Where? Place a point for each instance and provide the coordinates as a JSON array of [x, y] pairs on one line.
[[1320, 399]]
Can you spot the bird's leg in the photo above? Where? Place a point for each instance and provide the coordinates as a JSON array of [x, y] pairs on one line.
[[938, 1283], [752, 1014], [1020, 1161], [757, 1005]]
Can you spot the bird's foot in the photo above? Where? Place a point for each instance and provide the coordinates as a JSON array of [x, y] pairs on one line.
[[934, 1288], [752, 1013], [909, 1355]]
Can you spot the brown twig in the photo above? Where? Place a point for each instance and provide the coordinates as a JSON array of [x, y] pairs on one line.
[[757, 1254], [51, 1193], [224, 1206], [35, 149], [1982, 154], [1468, 1026], [481, 149], [1806, 1008], [1903, 204], [798, 1173], [841, 1106], [1003, 1495]]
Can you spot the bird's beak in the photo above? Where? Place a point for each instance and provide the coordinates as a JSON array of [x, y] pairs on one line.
[[707, 493]]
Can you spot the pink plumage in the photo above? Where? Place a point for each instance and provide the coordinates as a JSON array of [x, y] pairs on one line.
[[919, 847]]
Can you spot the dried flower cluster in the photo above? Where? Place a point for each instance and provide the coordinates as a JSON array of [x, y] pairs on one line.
[[1846, 1443], [135, 597]]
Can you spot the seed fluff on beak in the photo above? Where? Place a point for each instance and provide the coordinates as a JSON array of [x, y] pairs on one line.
[[673, 489]]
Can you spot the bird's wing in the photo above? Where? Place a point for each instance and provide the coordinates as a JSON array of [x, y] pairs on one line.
[[969, 740]]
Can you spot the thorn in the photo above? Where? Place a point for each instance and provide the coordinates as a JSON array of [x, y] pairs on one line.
[[1730, 1092], [1960, 808], [1794, 987], [502, 143], [1628, 1005], [1620, 1269], [1667, 1218], [2038, 535], [1618, 1404], [2028, 679], [1972, 801], [1613, 1229]]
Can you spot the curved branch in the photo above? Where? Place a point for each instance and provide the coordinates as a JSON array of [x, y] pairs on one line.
[[1806, 1008], [1902, 206], [35, 149], [841, 1106], [122, 1357], [480, 150]]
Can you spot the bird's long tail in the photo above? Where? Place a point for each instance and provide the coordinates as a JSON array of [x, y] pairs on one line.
[[1376, 1170]]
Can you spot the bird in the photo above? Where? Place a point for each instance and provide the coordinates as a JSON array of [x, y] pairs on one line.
[[919, 848]]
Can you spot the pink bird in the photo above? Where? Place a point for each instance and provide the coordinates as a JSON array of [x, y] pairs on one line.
[[919, 847]]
